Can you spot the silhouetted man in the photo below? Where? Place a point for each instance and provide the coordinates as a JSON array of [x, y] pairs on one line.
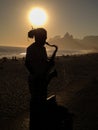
[[38, 66]]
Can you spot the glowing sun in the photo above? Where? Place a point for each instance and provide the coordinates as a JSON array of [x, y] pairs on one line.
[[37, 16]]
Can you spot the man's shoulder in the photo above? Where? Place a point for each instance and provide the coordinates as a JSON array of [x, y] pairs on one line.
[[31, 46]]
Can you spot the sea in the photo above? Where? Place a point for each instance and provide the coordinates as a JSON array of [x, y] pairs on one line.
[[20, 52]]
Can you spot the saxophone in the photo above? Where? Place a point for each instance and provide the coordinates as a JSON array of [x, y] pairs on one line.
[[52, 72], [54, 53]]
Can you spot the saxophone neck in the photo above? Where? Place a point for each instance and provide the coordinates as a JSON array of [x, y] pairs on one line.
[[54, 53], [56, 48]]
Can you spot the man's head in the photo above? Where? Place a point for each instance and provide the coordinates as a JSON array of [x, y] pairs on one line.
[[40, 35]]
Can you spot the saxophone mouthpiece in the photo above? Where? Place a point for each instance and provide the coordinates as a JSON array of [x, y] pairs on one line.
[[47, 44]]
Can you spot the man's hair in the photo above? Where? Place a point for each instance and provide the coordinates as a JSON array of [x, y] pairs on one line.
[[39, 32]]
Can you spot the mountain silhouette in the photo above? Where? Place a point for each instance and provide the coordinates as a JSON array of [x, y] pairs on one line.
[[90, 42], [67, 42]]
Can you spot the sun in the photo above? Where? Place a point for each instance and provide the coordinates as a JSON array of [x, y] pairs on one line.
[[37, 16]]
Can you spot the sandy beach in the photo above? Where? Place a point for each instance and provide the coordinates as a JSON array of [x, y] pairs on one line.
[[76, 88]]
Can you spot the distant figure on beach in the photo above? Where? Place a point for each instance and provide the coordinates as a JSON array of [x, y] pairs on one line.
[[39, 66]]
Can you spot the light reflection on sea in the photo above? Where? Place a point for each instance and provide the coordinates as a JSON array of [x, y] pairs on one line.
[[20, 52]]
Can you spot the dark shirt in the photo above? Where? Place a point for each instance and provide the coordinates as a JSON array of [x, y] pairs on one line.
[[36, 60]]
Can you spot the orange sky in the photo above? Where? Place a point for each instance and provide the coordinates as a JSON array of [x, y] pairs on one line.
[[78, 17]]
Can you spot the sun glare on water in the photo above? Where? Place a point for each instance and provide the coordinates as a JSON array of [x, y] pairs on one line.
[[37, 17]]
